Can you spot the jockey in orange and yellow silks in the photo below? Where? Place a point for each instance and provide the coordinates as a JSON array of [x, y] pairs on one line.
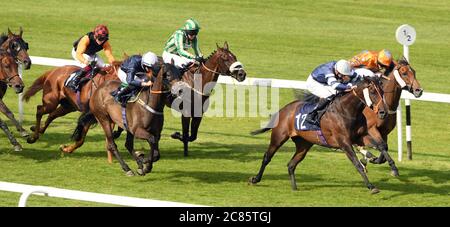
[[375, 61]]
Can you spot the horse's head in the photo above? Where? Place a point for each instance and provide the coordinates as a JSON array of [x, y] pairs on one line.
[[405, 76], [9, 72], [370, 92], [171, 78], [17, 47], [228, 63]]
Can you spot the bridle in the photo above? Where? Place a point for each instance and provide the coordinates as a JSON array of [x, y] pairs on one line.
[[8, 79], [367, 99]]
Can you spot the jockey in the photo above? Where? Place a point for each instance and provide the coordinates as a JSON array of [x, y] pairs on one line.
[[85, 51], [326, 81], [134, 71], [375, 61], [181, 40]]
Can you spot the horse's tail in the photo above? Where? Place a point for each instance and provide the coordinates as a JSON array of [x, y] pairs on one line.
[[85, 119], [259, 131], [272, 123], [37, 86]]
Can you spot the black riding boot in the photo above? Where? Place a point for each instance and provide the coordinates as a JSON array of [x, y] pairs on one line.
[[119, 97], [312, 117], [74, 84]]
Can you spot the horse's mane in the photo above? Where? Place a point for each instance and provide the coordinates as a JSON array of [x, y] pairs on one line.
[[214, 52], [3, 38]]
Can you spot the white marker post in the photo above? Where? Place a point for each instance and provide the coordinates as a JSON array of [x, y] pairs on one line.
[[405, 35]]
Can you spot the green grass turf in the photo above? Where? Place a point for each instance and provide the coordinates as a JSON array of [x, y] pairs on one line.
[[274, 39]]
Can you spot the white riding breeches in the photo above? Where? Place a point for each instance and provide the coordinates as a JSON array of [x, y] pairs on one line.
[[179, 61], [122, 76], [100, 62], [318, 89]]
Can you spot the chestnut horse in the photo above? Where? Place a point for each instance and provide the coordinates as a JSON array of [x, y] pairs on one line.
[[17, 48], [9, 76], [402, 77], [342, 125], [58, 100], [143, 119]]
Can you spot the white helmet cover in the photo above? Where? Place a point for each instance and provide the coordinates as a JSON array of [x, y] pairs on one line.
[[149, 59], [343, 67]]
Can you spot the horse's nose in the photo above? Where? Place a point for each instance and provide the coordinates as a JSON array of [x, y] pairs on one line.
[[27, 64], [241, 75], [381, 114], [18, 88], [418, 92]]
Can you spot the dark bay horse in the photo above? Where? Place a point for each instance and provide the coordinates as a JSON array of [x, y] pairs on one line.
[[221, 62], [10, 77], [402, 77], [58, 100], [17, 48], [343, 124], [144, 118]]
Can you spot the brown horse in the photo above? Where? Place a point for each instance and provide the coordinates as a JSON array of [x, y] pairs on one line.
[[58, 100], [200, 81], [17, 48], [10, 77], [402, 77], [143, 119], [342, 125], [220, 62]]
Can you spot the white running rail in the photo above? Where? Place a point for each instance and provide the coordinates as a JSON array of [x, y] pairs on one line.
[[28, 190]]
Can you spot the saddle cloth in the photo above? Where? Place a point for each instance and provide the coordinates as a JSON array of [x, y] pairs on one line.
[[300, 116]]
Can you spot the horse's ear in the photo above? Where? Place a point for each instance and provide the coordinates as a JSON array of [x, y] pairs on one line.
[[218, 47], [172, 61], [225, 45], [21, 31], [9, 32], [125, 55]]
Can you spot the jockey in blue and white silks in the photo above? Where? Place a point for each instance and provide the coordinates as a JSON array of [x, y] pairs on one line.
[[328, 80]]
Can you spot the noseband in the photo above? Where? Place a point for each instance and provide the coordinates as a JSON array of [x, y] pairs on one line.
[[367, 99]]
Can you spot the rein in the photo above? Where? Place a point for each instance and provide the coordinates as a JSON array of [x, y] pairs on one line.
[[367, 99]]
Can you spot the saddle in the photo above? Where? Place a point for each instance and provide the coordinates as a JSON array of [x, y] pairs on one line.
[[131, 97]]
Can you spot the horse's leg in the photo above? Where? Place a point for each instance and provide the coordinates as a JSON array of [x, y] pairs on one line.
[[302, 147], [129, 144], [195, 124], [347, 147], [78, 143], [40, 110], [383, 148], [155, 147], [184, 137], [112, 147], [117, 133], [12, 140], [59, 112], [5, 110], [149, 165], [278, 138], [185, 121]]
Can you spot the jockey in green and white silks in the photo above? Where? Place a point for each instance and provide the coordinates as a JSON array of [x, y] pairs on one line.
[[180, 41]]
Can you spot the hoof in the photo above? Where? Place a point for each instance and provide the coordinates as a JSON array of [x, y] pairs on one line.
[[374, 191], [394, 173], [129, 173], [17, 148], [31, 140], [24, 134], [252, 181], [140, 172], [176, 135], [64, 148]]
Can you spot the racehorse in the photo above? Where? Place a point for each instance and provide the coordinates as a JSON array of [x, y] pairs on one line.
[[9, 76], [402, 77], [142, 119], [221, 62], [58, 100], [342, 125], [17, 48]]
